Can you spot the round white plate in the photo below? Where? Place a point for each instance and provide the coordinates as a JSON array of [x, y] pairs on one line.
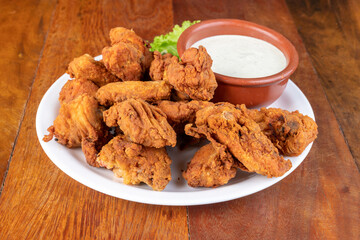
[[72, 161]]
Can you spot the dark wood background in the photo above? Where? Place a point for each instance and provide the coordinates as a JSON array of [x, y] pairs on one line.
[[319, 200]]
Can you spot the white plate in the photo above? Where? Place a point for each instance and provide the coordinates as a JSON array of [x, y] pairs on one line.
[[72, 161]]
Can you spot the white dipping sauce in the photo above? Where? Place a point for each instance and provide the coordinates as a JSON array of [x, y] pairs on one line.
[[242, 56]]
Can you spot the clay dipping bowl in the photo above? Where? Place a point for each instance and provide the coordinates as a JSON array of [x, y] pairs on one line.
[[253, 92]]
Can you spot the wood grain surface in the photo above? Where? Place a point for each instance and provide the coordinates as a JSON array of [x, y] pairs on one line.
[[38, 199], [298, 207], [331, 32], [23, 27], [319, 200]]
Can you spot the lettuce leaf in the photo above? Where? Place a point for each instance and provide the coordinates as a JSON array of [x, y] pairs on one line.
[[167, 43]]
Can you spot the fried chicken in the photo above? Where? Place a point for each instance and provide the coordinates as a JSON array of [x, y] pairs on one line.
[[210, 168], [74, 88], [181, 113], [136, 163], [158, 65], [80, 119], [157, 69], [141, 122], [124, 35], [85, 67], [193, 75], [77, 119], [125, 61], [120, 91], [290, 132], [224, 125]]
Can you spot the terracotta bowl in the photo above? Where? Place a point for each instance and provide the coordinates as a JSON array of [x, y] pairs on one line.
[[254, 92]]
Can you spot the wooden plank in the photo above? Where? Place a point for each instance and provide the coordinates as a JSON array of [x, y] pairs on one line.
[[331, 33], [23, 28], [40, 201], [319, 200]]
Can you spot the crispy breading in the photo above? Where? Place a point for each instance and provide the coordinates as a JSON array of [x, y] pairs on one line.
[[74, 88], [181, 113], [136, 163], [157, 69], [125, 61], [120, 34], [210, 168], [193, 75], [90, 151], [85, 67], [120, 91], [158, 65], [290, 132], [77, 119], [141, 122], [224, 125]]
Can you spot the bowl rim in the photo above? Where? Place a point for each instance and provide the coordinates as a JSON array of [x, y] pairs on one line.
[[284, 74]]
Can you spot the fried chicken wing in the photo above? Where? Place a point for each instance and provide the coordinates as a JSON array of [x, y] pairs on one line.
[[120, 91], [125, 61], [193, 75], [85, 67], [210, 168], [224, 125], [136, 163], [141, 122], [124, 35], [74, 88], [77, 119], [290, 132]]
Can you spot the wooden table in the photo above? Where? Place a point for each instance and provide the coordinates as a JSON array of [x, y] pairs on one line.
[[319, 200]]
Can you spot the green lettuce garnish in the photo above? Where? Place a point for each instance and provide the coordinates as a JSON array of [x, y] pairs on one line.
[[167, 43]]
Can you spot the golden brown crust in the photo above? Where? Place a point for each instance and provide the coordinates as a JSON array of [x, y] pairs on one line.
[[124, 61], [74, 88], [193, 75], [210, 168], [290, 132], [90, 152], [158, 65], [78, 119], [124, 35], [85, 67], [181, 113], [141, 122], [136, 163], [224, 125], [120, 91]]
